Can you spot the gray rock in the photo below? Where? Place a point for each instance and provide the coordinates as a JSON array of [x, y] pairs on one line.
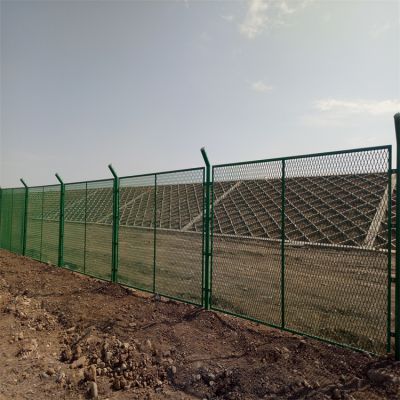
[[116, 384], [91, 373], [77, 352], [378, 376], [66, 354], [107, 356], [80, 362], [336, 395], [92, 390], [123, 383], [43, 375], [211, 377], [60, 377]]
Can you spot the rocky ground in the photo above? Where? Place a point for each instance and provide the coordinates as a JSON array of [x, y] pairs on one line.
[[67, 336]]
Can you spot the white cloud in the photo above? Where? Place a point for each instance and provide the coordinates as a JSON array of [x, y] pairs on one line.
[[261, 87], [228, 18], [372, 107], [336, 113], [205, 37], [379, 30], [256, 19], [262, 14], [285, 8]]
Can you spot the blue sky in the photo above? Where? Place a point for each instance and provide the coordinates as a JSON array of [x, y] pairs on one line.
[[144, 85]]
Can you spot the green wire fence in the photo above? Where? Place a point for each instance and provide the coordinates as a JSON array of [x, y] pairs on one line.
[[306, 244]]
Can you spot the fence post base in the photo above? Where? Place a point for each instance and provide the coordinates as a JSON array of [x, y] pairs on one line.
[[397, 281], [206, 228], [115, 229]]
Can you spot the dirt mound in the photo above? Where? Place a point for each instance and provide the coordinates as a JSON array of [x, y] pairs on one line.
[[68, 336]]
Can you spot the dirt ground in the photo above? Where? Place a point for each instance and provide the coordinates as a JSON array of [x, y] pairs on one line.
[[68, 336], [339, 294]]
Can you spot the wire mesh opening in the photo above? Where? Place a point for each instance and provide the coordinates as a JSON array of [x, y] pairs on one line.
[[300, 243], [161, 233], [304, 243]]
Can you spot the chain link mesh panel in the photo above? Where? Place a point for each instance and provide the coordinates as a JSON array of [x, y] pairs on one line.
[[136, 232], [298, 243], [34, 223], [336, 278], [50, 224], [74, 226], [17, 218], [302, 243], [6, 218], [99, 211], [179, 235], [246, 226], [1, 213], [163, 257]]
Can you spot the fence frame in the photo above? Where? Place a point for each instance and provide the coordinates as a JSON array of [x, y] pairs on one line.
[[206, 228], [397, 276], [282, 326], [115, 225], [207, 253], [25, 216], [155, 185], [61, 223]]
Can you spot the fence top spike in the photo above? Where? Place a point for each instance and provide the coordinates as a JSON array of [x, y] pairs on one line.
[[23, 182], [205, 157], [111, 168], [59, 178], [397, 125]]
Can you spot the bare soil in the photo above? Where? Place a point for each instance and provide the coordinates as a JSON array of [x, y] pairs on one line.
[[66, 336], [336, 293]]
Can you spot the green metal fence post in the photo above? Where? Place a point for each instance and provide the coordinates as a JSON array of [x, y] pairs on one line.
[[155, 233], [1, 212], [61, 223], [283, 244], [397, 278], [10, 247], [389, 256], [114, 257], [25, 217], [206, 227]]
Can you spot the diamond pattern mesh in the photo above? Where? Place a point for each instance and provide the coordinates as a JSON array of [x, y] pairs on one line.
[[6, 218], [34, 223], [50, 226], [166, 256], [87, 241], [75, 226], [136, 232], [179, 239], [246, 272], [331, 278], [338, 292], [17, 219], [98, 249], [302, 243]]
